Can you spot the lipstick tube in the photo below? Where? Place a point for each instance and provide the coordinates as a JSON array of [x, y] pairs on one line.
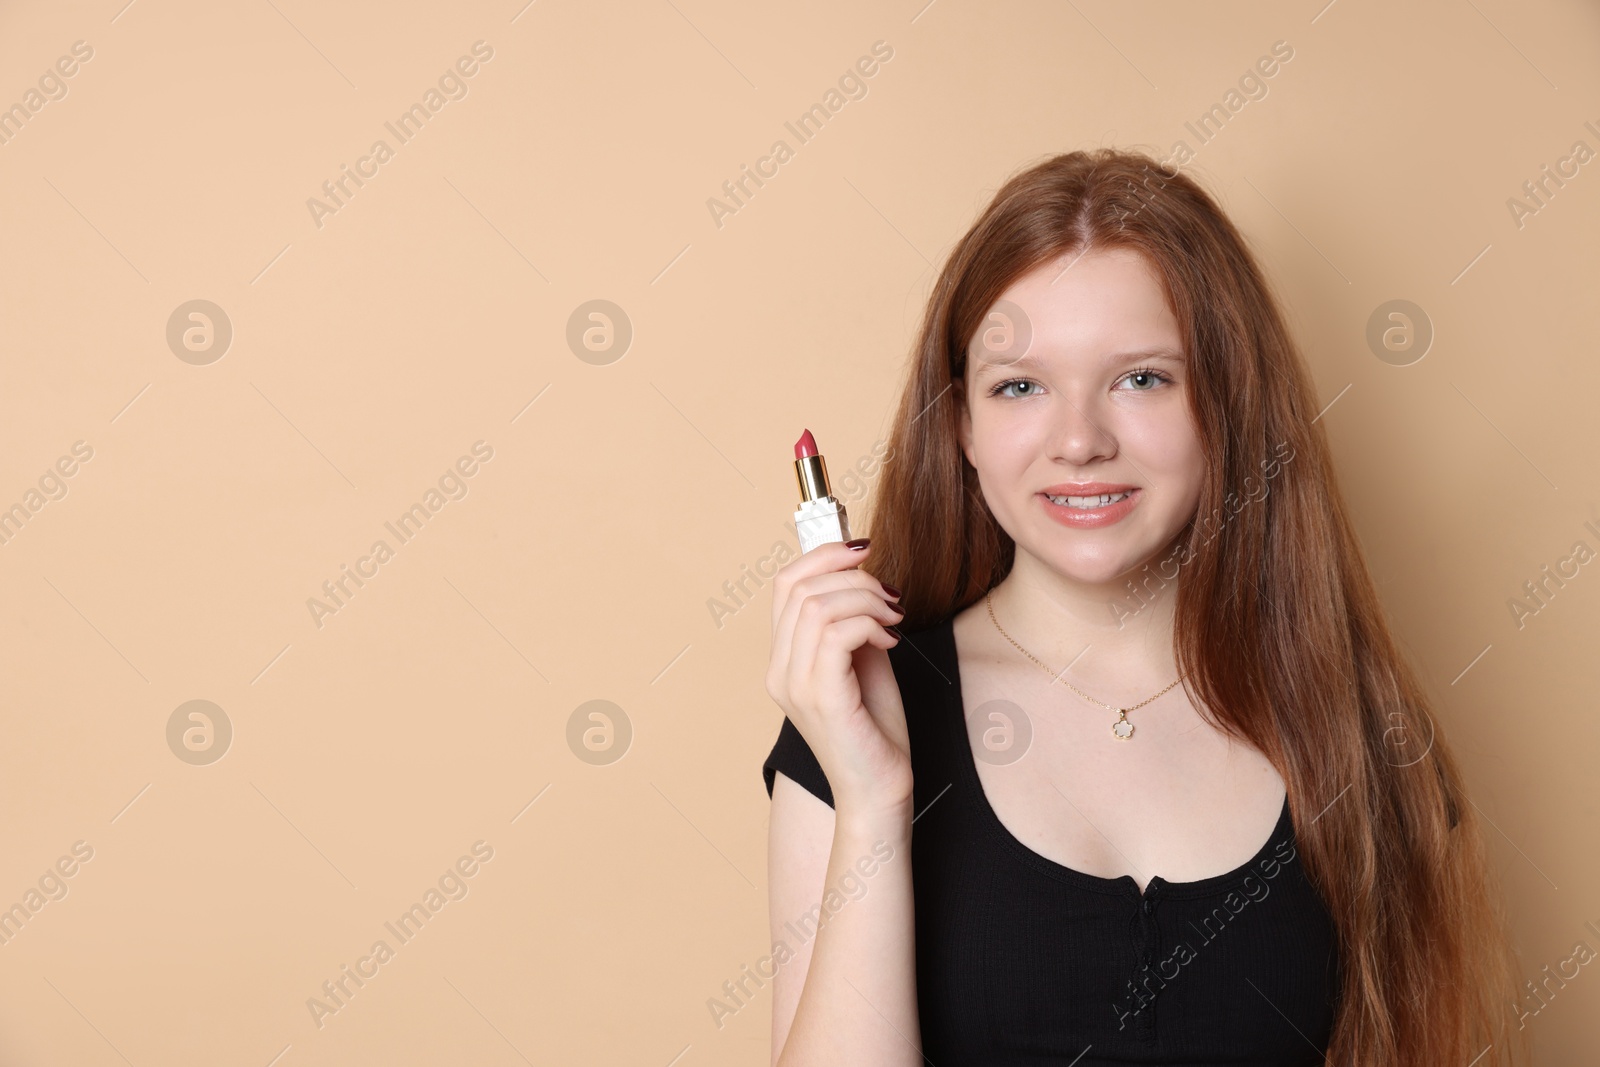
[[819, 518]]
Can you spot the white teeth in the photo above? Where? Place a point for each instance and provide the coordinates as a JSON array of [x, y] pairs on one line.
[[1087, 501]]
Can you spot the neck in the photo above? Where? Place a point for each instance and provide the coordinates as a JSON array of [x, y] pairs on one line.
[[1111, 637]]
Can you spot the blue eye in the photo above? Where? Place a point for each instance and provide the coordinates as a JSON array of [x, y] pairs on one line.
[[1032, 388], [1155, 377]]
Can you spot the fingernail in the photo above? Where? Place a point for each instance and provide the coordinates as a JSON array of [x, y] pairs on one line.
[[891, 590], [858, 543]]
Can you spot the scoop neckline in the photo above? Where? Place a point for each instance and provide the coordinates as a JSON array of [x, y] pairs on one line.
[[1123, 885]]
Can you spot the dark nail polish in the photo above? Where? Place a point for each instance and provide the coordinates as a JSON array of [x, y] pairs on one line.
[[858, 543], [891, 590]]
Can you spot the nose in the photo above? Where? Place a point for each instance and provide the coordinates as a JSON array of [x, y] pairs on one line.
[[1080, 433]]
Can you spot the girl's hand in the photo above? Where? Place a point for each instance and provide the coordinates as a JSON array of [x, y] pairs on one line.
[[830, 673]]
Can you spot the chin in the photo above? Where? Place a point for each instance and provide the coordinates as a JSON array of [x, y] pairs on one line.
[[1089, 568]]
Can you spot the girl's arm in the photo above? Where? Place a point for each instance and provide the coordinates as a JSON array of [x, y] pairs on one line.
[[847, 994]]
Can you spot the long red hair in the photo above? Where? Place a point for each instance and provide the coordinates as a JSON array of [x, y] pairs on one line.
[[1280, 636]]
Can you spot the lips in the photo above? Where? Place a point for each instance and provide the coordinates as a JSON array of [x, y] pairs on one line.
[[1101, 513]]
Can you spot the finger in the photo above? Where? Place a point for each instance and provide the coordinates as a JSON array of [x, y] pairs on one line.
[[833, 556], [867, 588], [863, 592], [830, 656], [819, 613], [793, 582]]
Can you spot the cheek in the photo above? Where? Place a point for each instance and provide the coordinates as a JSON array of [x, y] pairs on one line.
[[1006, 442], [1169, 451], [1004, 449], [1183, 465]]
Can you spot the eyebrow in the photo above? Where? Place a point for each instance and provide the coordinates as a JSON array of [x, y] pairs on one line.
[[1139, 354]]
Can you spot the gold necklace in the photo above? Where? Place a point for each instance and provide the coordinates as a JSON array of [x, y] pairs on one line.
[[1122, 729]]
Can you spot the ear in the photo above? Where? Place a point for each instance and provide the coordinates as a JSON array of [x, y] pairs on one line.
[[963, 419]]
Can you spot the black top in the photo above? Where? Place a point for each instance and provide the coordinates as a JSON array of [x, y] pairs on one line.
[[1021, 960]]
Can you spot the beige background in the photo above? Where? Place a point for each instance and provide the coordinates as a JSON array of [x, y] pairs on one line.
[[431, 310]]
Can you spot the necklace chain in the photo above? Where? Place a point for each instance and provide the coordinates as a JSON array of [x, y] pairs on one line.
[[1121, 728]]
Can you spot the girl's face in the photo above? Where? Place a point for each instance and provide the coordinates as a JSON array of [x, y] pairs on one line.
[[1075, 387]]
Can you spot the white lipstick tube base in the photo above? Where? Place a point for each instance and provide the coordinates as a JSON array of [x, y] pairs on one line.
[[819, 521]]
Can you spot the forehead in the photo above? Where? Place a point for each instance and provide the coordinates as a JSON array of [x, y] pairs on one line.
[[1103, 302]]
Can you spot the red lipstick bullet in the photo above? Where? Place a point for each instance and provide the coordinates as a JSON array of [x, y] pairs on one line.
[[806, 446], [819, 518]]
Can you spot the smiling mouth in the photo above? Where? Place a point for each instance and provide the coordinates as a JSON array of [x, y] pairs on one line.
[[1087, 502]]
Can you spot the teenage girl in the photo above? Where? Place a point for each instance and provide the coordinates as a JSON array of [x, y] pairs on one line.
[[1100, 751]]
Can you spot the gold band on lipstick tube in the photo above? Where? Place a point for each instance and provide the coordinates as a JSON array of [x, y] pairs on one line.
[[812, 474]]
